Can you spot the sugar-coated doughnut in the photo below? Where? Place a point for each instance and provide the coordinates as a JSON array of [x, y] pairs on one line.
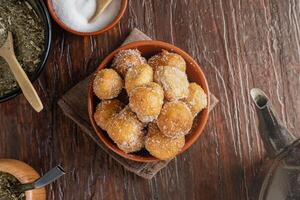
[[160, 146], [137, 76], [175, 119], [107, 84], [166, 58], [106, 110], [197, 99], [125, 59], [126, 131], [146, 101], [173, 81]]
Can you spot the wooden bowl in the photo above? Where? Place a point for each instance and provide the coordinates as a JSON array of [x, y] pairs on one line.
[[148, 49], [108, 27], [24, 173]]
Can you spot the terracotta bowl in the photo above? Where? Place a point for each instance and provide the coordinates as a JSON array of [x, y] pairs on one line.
[[148, 49], [108, 27], [25, 174]]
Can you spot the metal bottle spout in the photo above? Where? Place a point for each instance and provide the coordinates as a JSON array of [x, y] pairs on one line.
[[273, 133]]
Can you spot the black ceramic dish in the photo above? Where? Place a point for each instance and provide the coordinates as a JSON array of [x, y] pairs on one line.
[[41, 10]]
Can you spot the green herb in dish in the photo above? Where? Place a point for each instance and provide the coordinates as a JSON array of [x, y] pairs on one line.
[[7, 181], [20, 18]]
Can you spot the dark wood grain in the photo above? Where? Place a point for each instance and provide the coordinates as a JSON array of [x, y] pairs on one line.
[[239, 43]]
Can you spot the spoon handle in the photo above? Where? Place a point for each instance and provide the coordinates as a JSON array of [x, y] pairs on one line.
[[21, 77]]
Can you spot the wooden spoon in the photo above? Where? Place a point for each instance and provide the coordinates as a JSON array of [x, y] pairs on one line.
[[7, 52], [101, 6]]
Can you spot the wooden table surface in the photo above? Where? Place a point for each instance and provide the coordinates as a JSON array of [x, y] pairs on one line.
[[239, 43]]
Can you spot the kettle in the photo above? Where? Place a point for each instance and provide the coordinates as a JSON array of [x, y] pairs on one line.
[[282, 180]]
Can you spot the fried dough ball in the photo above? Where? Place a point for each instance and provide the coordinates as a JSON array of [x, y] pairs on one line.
[[160, 146], [175, 119], [107, 84], [126, 59], [126, 131], [137, 76], [197, 99], [146, 101], [166, 58], [173, 81], [106, 110]]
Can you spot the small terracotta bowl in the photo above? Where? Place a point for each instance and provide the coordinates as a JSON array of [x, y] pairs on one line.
[[148, 49], [25, 174], [108, 27]]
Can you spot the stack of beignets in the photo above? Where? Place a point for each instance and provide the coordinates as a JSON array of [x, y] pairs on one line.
[[162, 102]]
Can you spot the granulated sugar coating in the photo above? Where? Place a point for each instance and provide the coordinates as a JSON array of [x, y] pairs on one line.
[[107, 84], [126, 59], [106, 110], [175, 119], [197, 99], [166, 58], [76, 13], [137, 76], [160, 146], [173, 81], [126, 131], [146, 101]]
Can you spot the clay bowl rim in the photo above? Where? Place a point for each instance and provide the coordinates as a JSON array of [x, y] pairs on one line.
[[18, 168], [105, 29], [197, 131]]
